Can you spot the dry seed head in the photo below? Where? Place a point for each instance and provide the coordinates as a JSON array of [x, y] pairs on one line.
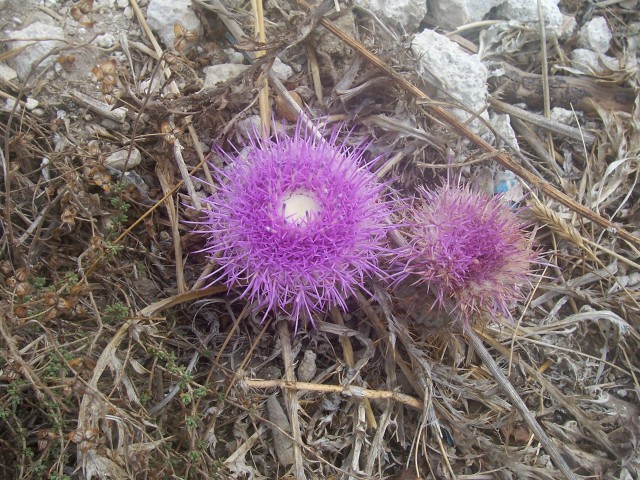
[[22, 274], [556, 223], [50, 299], [23, 288], [6, 268]]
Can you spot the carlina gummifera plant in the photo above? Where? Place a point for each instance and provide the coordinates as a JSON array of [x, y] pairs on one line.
[[468, 249], [297, 222]]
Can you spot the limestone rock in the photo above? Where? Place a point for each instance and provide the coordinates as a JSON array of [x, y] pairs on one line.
[[163, 15], [405, 15], [595, 35], [527, 11], [459, 74], [118, 159], [36, 49], [216, 74]]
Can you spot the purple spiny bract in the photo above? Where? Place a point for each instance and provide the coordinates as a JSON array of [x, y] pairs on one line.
[[298, 223], [468, 249]]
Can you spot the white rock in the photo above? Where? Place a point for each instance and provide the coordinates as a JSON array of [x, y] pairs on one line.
[[595, 35], [589, 61], [102, 5], [458, 73], [9, 105], [106, 40], [149, 86], [562, 115], [281, 70], [122, 3], [404, 14], [451, 14], [36, 49], [162, 15], [234, 56], [501, 123], [118, 159], [216, 74], [7, 74], [569, 27], [527, 11], [31, 103]]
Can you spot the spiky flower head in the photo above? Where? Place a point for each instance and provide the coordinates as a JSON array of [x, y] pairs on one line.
[[298, 223], [470, 251]]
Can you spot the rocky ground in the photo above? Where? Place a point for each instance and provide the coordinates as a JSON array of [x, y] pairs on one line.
[[115, 363]]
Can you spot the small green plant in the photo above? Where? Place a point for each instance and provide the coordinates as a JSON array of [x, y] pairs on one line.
[[194, 455], [111, 249], [119, 216], [71, 278], [13, 391], [116, 311], [191, 422]]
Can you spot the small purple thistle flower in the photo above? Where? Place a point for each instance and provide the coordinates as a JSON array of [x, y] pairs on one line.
[[468, 249], [298, 222]]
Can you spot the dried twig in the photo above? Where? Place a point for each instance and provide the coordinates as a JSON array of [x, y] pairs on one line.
[[517, 402], [348, 391], [291, 398]]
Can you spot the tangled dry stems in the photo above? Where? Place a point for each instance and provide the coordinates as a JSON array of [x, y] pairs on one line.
[[110, 365]]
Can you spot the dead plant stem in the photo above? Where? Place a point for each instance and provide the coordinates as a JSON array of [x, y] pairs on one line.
[[519, 404], [291, 398], [349, 391]]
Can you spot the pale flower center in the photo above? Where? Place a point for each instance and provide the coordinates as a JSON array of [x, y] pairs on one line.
[[299, 206]]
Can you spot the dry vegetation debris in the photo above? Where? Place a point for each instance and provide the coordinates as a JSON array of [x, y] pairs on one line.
[[115, 363]]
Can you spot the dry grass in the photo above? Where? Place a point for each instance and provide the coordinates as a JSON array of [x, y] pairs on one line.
[[114, 363]]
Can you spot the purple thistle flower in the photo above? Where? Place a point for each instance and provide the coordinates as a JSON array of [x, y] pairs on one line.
[[468, 249], [298, 222]]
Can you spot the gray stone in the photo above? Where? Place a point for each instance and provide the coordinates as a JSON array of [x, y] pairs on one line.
[[595, 35], [527, 11], [216, 74], [406, 15], [163, 15], [562, 115], [118, 159], [458, 74], [589, 61], [36, 49], [106, 40], [501, 123], [281, 70], [7, 74]]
